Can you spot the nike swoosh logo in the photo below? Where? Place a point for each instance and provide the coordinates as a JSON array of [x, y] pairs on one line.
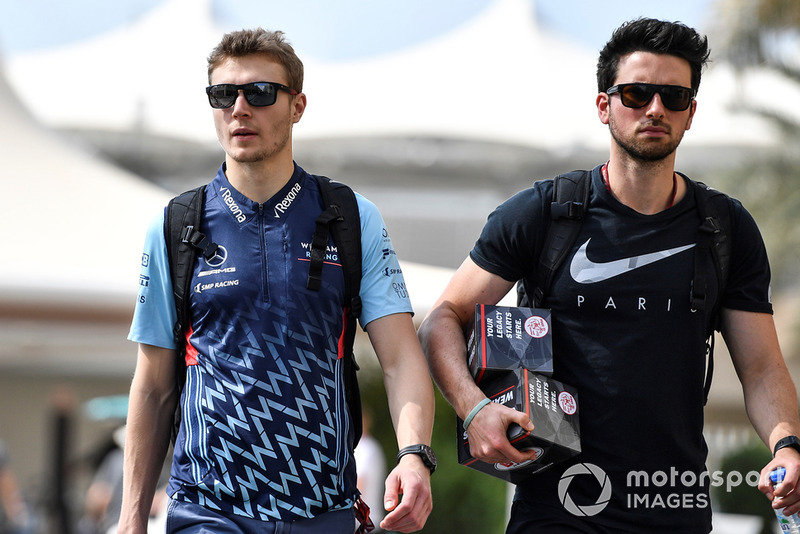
[[585, 271]]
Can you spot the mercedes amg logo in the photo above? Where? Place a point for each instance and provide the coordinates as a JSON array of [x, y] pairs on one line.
[[218, 258]]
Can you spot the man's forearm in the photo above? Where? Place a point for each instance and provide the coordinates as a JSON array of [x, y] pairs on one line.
[[444, 345], [411, 405], [771, 403], [148, 433], [406, 377]]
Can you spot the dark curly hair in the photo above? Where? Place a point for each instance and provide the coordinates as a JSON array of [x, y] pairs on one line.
[[658, 37]]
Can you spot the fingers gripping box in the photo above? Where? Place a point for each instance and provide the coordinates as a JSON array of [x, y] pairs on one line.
[[505, 338], [553, 408]]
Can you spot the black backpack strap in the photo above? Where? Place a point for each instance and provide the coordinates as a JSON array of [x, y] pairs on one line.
[[340, 219], [569, 204], [713, 247], [319, 243], [182, 232], [184, 239]]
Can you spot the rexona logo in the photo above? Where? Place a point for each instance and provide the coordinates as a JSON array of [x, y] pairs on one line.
[[284, 204], [232, 205], [584, 510]]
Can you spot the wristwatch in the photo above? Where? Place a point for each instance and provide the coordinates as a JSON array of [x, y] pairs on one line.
[[423, 451], [788, 441]]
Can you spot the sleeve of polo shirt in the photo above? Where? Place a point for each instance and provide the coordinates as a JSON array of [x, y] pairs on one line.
[[749, 277], [383, 288], [154, 316]]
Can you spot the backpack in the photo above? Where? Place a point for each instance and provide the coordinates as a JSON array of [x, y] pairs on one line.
[[339, 219], [570, 202]]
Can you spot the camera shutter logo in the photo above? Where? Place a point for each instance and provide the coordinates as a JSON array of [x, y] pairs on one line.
[[602, 499]]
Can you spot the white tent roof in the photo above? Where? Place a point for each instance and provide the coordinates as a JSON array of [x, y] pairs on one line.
[[149, 75], [73, 225], [499, 77]]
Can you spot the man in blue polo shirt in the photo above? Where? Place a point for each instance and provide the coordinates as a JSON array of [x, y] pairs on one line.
[[265, 441]]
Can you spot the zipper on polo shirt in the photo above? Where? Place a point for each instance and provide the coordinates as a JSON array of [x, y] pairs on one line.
[[262, 238]]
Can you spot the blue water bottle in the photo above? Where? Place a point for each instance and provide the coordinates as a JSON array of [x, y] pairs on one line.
[[788, 523]]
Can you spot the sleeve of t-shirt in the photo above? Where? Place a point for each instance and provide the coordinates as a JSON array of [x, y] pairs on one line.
[[508, 243], [383, 288], [748, 287], [154, 316]]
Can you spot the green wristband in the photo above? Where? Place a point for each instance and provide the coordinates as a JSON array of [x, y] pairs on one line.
[[474, 412]]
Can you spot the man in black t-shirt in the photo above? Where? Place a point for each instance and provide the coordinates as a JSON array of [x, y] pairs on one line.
[[624, 332]]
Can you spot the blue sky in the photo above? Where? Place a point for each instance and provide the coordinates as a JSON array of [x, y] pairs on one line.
[[333, 29]]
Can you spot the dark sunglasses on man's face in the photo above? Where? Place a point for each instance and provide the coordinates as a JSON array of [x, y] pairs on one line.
[[258, 94], [638, 95]]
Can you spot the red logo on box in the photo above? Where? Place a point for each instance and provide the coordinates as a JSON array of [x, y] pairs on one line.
[[567, 403], [508, 466], [536, 327]]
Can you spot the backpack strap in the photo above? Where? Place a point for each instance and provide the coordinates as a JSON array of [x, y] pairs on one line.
[[184, 239], [340, 219], [713, 245], [570, 202]]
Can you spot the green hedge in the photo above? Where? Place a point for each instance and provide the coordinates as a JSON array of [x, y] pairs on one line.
[[463, 499], [743, 498]]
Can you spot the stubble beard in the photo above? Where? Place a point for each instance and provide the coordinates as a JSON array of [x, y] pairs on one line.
[[281, 134], [642, 150]]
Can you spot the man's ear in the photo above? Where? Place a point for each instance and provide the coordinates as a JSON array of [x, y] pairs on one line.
[[603, 103], [299, 104], [692, 111]]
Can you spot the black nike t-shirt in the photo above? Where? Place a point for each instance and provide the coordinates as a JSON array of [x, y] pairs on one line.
[[625, 336]]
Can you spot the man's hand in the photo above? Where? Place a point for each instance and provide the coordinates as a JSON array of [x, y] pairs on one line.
[[787, 493], [488, 439], [408, 496]]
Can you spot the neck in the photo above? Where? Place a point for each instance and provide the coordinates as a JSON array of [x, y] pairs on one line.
[[258, 181], [647, 187]]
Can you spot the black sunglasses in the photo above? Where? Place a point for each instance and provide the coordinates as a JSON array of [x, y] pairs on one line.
[[638, 95], [258, 94]]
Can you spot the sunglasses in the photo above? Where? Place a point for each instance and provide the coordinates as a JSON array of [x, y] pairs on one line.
[[259, 94], [638, 95]]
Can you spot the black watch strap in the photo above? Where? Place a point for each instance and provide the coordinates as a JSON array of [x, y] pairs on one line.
[[788, 441], [423, 451]]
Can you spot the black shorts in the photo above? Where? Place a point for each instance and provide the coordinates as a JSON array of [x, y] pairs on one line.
[[538, 519]]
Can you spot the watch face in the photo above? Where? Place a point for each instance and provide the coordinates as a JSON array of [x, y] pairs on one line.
[[431, 457], [424, 452]]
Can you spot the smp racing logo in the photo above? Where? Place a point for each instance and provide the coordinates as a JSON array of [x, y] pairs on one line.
[[200, 287]]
